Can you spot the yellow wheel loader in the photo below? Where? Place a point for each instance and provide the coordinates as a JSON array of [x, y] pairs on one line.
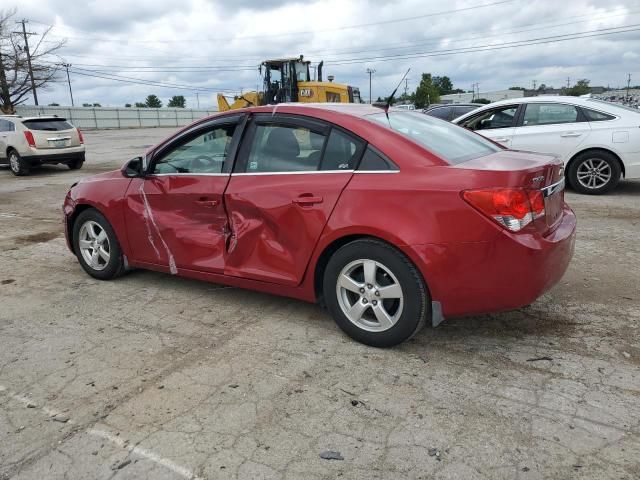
[[288, 80]]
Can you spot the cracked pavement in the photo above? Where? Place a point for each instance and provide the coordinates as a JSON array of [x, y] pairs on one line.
[[153, 376]]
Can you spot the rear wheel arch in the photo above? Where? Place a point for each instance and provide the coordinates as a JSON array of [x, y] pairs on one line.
[[335, 245], [596, 150]]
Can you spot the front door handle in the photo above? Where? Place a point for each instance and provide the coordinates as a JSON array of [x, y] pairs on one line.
[[570, 134], [307, 200], [502, 139], [207, 202]]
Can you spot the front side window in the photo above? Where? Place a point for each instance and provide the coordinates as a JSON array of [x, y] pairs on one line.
[[450, 142], [204, 153], [549, 114], [284, 148], [490, 119]]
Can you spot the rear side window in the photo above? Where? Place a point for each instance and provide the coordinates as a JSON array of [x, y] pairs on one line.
[[342, 152], [594, 116], [47, 124], [450, 142], [283, 148], [549, 114], [459, 111], [440, 113], [373, 160]]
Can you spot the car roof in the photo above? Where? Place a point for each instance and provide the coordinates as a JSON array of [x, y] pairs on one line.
[[440, 105], [543, 99], [353, 109]]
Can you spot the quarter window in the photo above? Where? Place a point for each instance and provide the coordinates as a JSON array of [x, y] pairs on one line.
[[280, 148], [374, 161], [594, 116], [549, 114], [205, 153], [490, 119]]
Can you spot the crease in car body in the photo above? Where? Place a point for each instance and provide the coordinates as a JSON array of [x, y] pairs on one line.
[[148, 216]]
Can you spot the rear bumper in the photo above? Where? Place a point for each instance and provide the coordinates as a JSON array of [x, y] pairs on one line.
[[53, 158], [504, 274]]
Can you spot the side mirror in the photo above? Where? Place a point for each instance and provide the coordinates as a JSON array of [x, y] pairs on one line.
[[133, 168]]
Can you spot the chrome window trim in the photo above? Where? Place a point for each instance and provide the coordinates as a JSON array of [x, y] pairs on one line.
[[551, 189], [377, 171], [302, 172], [177, 174]]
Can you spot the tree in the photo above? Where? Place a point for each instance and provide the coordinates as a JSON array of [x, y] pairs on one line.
[[15, 81], [54, 104], [177, 101], [517, 88], [141, 105], [580, 88], [97, 105], [127, 105], [483, 101], [153, 101], [86, 104], [443, 84], [426, 93]]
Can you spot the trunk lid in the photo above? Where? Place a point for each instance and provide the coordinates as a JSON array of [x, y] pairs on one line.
[[52, 133]]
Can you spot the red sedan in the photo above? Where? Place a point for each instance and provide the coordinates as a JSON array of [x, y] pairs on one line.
[[392, 221]]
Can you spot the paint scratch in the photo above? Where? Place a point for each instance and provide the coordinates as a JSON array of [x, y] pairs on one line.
[[148, 215]]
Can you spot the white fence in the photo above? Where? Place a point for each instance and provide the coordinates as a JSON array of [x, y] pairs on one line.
[[88, 118]]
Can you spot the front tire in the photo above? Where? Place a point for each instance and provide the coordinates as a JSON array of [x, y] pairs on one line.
[[96, 246], [375, 294], [19, 166], [594, 173]]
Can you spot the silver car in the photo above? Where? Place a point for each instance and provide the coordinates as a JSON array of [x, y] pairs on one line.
[[27, 142]]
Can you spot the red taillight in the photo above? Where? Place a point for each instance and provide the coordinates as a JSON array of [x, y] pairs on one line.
[[513, 208], [30, 140], [80, 136]]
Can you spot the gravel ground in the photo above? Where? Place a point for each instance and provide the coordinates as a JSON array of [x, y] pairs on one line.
[[153, 376]]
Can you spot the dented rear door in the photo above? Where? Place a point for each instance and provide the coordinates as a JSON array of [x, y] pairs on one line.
[[288, 177]]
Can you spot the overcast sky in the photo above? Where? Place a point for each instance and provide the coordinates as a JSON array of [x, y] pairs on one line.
[[218, 44]]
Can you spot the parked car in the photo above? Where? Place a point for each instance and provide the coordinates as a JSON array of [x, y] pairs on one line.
[[406, 106], [391, 222], [450, 111], [599, 142], [27, 142]]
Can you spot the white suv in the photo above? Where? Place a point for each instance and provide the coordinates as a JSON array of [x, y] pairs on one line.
[[598, 141], [26, 142]]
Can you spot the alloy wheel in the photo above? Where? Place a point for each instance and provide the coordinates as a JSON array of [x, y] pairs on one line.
[[594, 173], [14, 163], [94, 245], [370, 295]]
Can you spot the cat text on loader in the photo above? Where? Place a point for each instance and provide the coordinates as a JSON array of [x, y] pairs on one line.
[[288, 80]]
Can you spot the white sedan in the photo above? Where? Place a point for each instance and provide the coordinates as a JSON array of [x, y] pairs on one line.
[[598, 141]]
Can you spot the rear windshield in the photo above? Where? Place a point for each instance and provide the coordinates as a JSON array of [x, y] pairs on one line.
[[451, 142], [47, 124]]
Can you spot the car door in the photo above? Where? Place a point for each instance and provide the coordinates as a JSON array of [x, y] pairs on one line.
[[556, 128], [175, 215], [287, 179], [495, 123], [6, 128]]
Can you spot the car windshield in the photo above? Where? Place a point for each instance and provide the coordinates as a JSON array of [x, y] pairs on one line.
[[451, 142]]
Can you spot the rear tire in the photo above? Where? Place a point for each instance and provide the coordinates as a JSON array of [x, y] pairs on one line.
[[375, 294], [19, 166], [96, 246], [594, 173], [76, 164]]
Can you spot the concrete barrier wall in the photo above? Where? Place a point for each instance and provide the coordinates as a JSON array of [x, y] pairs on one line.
[[89, 118]]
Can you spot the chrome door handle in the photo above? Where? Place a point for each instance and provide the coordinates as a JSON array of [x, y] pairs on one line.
[[571, 134], [205, 202], [502, 139], [306, 201]]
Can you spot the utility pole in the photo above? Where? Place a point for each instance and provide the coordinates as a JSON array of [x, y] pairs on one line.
[[66, 66], [568, 83], [406, 86], [534, 84], [370, 71], [198, 99], [26, 50], [628, 84]]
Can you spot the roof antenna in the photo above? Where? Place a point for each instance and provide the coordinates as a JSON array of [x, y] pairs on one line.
[[390, 99]]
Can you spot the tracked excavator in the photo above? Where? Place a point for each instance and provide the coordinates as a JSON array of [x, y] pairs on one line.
[[289, 80]]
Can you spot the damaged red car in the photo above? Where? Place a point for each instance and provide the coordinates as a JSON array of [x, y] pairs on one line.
[[392, 220]]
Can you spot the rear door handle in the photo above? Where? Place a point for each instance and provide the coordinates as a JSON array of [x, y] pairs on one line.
[[207, 202], [502, 139], [571, 134], [304, 200]]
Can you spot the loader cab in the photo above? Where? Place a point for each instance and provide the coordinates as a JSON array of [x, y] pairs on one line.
[[281, 79]]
